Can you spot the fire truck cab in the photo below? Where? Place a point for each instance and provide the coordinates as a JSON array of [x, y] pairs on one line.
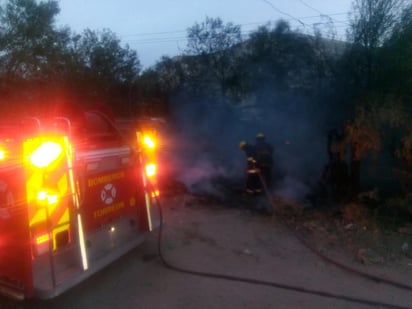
[[74, 196]]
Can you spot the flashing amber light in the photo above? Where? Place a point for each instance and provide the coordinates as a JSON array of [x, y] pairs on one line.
[[46, 154], [46, 196], [2, 154], [149, 142], [42, 195], [150, 170]]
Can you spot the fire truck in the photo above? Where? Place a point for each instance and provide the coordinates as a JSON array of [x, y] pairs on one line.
[[74, 196]]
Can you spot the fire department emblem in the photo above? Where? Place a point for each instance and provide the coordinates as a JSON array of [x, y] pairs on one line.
[[108, 194]]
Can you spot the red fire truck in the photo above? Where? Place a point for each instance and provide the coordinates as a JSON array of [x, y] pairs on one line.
[[74, 196]]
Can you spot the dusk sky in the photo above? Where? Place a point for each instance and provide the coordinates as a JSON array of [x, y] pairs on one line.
[[159, 27]]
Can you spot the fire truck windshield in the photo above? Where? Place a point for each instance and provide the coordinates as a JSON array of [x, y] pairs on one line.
[[98, 132]]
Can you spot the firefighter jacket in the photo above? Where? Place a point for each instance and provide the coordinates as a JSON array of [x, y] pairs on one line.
[[251, 156], [264, 153]]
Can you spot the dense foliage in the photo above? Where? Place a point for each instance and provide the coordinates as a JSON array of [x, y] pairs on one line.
[[41, 64], [364, 83]]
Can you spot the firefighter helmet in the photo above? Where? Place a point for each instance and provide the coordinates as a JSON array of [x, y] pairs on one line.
[[260, 135], [242, 144]]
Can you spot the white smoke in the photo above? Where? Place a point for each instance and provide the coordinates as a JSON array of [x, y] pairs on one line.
[[210, 135], [292, 189]]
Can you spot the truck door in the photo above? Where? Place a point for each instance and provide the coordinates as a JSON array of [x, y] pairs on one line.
[[108, 174]]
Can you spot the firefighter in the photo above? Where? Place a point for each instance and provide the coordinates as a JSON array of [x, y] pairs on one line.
[[264, 158], [253, 185]]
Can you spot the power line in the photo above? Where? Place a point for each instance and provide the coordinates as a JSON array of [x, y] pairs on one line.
[[157, 41], [283, 13], [244, 24], [310, 7], [153, 33], [183, 37], [171, 39], [176, 36], [306, 26], [321, 13]]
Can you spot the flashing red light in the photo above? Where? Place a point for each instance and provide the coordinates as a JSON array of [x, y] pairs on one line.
[[151, 170]]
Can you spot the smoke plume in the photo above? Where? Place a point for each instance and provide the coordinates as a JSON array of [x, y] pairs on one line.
[[207, 135]]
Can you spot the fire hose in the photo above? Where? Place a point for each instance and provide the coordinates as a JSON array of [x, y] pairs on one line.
[[274, 284], [326, 258]]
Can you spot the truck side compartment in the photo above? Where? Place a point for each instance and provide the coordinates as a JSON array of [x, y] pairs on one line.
[[73, 198]]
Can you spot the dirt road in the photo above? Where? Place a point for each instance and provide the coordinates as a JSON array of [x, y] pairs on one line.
[[230, 240]]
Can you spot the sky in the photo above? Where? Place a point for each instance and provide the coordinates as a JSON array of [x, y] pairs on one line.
[[156, 28]]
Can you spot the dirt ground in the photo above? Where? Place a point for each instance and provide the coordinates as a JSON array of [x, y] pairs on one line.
[[325, 250], [350, 233], [346, 230], [326, 241], [228, 238]]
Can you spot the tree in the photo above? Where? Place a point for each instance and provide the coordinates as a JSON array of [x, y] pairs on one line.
[[39, 63], [32, 52], [102, 53], [378, 64], [396, 57], [170, 75], [105, 70], [31, 47], [372, 23], [213, 42], [281, 59], [158, 86]]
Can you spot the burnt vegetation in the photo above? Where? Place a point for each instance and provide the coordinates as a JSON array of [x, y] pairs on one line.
[[225, 87]]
